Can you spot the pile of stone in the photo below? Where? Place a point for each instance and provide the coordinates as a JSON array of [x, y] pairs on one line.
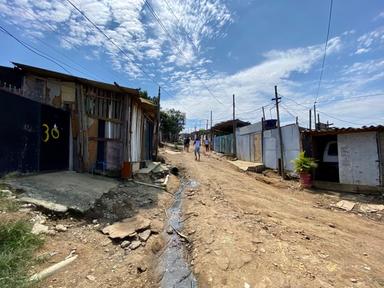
[[134, 232]]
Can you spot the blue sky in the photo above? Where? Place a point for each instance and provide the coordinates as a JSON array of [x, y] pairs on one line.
[[202, 52]]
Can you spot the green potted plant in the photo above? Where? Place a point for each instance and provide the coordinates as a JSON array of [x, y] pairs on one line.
[[303, 166]]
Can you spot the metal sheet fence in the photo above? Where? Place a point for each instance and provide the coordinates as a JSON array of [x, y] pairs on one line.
[[223, 144]]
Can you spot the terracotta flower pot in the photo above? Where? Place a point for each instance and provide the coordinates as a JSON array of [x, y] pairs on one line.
[[305, 180]]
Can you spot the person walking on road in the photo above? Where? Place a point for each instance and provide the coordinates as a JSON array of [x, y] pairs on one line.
[[206, 145], [197, 144], [186, 144]]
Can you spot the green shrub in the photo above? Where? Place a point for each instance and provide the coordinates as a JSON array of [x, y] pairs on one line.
[[303, 163]]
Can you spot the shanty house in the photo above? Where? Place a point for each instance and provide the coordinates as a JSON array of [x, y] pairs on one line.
[[54, 121], [223, 139], [349, 159]]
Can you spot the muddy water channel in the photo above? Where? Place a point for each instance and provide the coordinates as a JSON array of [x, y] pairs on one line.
[[173, 265]]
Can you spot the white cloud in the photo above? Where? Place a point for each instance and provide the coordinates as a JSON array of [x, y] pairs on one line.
[[379, 16], [129, 23], [371, 40], [362, 50], [253, 86]]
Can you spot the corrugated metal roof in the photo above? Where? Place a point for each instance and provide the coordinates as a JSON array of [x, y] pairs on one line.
[[147, 102], [228, 125], [65, 77], [334, 131]]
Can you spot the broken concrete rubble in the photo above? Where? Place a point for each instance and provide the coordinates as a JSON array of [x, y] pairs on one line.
[[45, 204], [60, 191], [345, 205], [127, 227], [144, 236], [370, 208]]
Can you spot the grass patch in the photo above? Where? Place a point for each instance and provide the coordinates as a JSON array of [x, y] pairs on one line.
[[17, 245], [7, 204]]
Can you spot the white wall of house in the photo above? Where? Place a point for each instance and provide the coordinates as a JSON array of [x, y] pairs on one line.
[[271, 146], [358, 158]]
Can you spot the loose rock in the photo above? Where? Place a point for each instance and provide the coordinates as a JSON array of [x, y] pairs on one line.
[[125, 244], [39, 229], [134, 245], [60, 228], [143, 236], [91, 278], [170, 230]]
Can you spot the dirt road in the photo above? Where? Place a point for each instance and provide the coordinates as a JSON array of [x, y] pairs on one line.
[[246, 233]]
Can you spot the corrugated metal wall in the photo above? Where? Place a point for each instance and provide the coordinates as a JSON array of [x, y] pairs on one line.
[[244, 146], [248, 139], [223, 144], [271, 146]]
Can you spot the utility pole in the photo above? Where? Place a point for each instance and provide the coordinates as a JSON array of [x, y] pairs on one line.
[[206, 125], [263, 113], [318, 119], [157, 140], [310, 119], [314, 114], [276, 99], [211, 133], [234, 126]]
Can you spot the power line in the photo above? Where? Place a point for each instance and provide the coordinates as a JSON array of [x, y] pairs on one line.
[[340, 100], [178, 22], [186, 33], [114, 43], [286, 110], [34, 50], [327, 114], [336, 118], [46, 24], [157, 18], [325, 51]]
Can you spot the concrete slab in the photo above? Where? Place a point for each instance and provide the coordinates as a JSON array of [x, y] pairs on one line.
[[76, 191], [127, 228], [345, 205], [150, 166], [248, 166]]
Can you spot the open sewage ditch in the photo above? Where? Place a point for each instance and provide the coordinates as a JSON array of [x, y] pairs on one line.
[[173, 266]]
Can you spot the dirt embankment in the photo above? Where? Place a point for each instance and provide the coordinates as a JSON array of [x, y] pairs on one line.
[[102, 262], [246, 233]]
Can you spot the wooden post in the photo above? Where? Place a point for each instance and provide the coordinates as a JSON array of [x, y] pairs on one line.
[[276, 99], [157, 134], [234, 126], [310, 119]]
